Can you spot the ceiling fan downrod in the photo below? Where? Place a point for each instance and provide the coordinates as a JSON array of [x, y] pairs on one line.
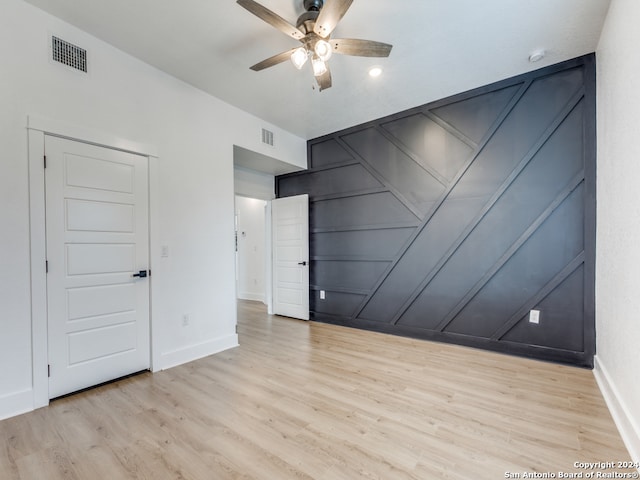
[[313, 5]]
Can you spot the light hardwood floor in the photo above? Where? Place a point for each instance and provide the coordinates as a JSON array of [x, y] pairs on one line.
[[304, 400]]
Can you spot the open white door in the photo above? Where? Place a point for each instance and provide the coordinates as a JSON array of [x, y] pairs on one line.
[[290, 229], [98, 255]]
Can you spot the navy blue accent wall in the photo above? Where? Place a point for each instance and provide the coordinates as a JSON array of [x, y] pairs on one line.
[[451, 221]]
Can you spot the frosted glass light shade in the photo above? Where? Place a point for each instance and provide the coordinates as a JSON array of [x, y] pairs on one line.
[[323, 50], [299, 57], [319, 66]]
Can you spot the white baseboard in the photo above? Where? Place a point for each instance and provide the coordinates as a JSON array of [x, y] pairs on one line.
[[16, 403], [627, 426], [257, 297], [194, 352]]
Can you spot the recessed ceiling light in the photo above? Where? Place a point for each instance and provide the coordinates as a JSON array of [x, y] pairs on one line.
[[536, 55], [375, 71]]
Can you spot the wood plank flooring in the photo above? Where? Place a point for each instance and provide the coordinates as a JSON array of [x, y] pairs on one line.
[[304, 400]]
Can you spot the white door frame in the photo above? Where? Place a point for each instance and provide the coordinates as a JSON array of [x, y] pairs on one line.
[[37, 128], [268, 248]]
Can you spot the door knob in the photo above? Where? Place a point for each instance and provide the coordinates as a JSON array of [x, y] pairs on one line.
[[302, 263], [141, 274]]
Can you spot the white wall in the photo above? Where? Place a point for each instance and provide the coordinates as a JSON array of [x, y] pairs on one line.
[[251, 257], [618, 215], [194, 135], [254, 184]]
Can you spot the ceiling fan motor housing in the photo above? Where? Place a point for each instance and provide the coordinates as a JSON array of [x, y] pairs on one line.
[[313, 5], [306, 21]]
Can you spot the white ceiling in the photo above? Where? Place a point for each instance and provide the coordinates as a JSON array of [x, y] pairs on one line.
[[440, 47]]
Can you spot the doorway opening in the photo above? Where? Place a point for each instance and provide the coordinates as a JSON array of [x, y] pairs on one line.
[[254, 181], [251, 249]]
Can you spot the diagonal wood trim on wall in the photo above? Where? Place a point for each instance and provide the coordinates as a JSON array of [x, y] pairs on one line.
[[451, 221]]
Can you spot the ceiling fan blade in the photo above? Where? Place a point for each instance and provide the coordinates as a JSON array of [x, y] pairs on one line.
[[360, 48], [271, 18], [324, 80], [330, 15], [271, 61]]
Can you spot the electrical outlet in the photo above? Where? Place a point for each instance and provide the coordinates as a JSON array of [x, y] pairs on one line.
[[186, 320], [534, 316], [322, 295]]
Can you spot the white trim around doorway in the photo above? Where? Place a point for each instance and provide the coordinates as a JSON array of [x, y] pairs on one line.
[[37, 128]]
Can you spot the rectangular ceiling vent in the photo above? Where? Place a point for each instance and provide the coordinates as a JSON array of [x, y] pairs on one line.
[[267, 137], [68, 54]]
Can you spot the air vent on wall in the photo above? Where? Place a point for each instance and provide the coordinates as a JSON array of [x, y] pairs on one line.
[[68, 54], [267, 137]]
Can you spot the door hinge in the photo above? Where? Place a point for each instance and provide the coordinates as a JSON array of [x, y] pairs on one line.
[[45, 161], [48, 370], [46, 266]]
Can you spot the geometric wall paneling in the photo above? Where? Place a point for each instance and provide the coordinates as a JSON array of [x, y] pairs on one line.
[[336, 305], [334, 181], [438, 149], [532, 194], [328, 153], [376, 245], [410, 181], [485, 195], [452, 220], [524, 274], [564, 312], [374, 210], [347, 275], [474, 116]]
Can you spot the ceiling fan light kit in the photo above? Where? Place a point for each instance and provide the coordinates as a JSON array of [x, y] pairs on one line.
[[313, 29], [322, 48], [299, 57], [319, 67]]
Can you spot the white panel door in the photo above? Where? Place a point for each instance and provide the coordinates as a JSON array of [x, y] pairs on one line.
[[290, 230], [97, 239]]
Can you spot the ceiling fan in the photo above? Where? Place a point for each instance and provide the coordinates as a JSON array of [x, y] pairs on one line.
[[313, 29]]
